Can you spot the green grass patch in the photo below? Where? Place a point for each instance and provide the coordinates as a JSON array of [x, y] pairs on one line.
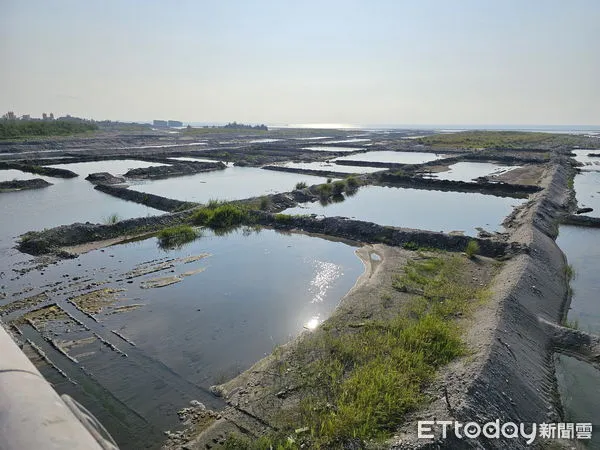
[[324, 190], [219, 216], [283, 218], [112, 219], [361, 381], [569, 272], [174, 237], [573, 324], [264, 203], [498, 140], [12, 129], [339, 187], [472, 249], [352, 181]]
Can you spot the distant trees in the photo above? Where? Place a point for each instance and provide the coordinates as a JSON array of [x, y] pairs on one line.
[[241, 126], [13, 128]]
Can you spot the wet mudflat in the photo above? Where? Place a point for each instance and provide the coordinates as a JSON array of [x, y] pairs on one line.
[[153, 329], [233, 183], [587, 189], [422, 209], [468, 171]]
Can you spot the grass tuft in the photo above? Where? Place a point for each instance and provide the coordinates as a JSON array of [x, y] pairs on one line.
[[175, 237], [112, 219], [218, 216], [472, 249]]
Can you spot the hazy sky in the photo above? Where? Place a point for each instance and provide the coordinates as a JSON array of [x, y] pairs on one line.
[[361, 62]]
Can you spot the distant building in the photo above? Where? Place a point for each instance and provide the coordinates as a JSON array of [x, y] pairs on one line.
[[160, 123], [175, 123], [25, 117]]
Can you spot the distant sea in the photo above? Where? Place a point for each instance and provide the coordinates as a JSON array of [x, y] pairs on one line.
[[568, 129]]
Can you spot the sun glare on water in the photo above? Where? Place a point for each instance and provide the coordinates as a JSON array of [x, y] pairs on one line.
[[312, 324]]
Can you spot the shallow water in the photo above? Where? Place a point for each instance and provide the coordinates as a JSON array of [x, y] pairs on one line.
[[12, 174], [348, 141], [330, 148], [587, 190], [256, 290], [114, 166], [193, 159], [65, 202], [265, 141], [233, 183], [468, 171], [579, 383], [422, 209], [326, 166], [581, 245], [589, 162], [395, 157]]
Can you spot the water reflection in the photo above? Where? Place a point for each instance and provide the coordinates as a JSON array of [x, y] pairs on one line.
[[312, 324], [233, 183], [325, 276], [421, 209], [394, 157]]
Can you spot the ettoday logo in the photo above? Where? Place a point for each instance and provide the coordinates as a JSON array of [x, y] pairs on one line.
[[507, 430]]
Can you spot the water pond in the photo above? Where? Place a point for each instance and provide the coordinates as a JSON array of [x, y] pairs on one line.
[[421, 209], [113, 166], [225, 302], [328, 166], [579, 383], [233, 183], [387, 156]]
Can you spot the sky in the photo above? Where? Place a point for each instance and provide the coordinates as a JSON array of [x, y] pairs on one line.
[[368, 62]]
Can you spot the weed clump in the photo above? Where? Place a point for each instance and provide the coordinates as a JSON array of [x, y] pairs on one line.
[[283, 218], [176, 236], [339, 187], [352, 181], [265, 202], [301, 185], [324, 190], [472, 249], [220, 216], [112, 219]]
